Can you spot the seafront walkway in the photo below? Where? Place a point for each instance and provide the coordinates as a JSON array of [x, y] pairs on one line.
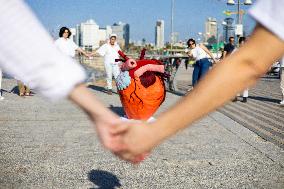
[[54, 145]]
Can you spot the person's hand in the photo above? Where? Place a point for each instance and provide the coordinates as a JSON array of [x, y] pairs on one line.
[[104, 124], [214, 61], [89, 55], [104, 120], [134, 141]]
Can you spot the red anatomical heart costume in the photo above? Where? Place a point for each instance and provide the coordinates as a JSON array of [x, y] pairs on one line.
[[141, 86]]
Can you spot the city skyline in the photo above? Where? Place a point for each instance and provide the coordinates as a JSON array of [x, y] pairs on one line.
[[189, 15]]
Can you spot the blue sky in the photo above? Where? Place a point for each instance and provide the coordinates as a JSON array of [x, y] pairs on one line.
[[189, 15]]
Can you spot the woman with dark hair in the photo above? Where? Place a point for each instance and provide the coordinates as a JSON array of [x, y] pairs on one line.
[[202, 64], [66, 45]]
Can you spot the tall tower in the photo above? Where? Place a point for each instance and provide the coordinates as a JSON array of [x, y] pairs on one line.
[[229, 30], [160, 34], [210, 28], [122, 30], [89, 31]]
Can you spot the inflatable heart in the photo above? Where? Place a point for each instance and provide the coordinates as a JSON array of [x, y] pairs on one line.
[[141, 86]]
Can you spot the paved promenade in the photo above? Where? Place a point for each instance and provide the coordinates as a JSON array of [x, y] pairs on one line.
[[261, 114], [44, 145]]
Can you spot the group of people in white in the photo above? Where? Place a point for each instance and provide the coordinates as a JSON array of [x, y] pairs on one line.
[[109, 51]]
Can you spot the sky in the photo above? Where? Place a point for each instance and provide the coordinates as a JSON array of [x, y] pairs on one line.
[[141, 15]]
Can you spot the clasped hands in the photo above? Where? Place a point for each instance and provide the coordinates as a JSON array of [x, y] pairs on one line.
[[129, 140]]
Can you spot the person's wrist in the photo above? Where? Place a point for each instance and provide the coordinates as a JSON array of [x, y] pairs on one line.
[[157, 132]]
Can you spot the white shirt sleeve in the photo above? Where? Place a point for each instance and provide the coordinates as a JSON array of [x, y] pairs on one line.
[[74, 45], [28, 53], [270, 14], [102, 50]]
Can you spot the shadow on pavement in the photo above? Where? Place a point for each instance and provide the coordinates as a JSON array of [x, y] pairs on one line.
[[178, 93], [117, 110], [264, 99], [103, 179], [99, 88]]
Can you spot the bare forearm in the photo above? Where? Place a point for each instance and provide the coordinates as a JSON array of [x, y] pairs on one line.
[[82, 51], [87, 101], [229, 77]]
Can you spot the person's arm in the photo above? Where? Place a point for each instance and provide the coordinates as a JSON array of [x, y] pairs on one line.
[[44, 68], [224, 54], [101, 51], [190, 55], [103, 118], [83, 52], [208, 52], [235, 73]]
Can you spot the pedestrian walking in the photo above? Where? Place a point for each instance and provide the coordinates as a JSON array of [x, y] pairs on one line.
[[245, 93], [229, 48], [202, 64], [110, 53]]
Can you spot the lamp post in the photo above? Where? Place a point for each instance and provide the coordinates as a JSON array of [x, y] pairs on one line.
[[239, 27], [172, 22]]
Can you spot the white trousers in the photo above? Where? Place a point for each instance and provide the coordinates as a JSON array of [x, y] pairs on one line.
[[246, 93], [111, 70]]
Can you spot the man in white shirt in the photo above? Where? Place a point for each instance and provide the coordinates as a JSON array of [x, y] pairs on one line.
[[110, 52], [66, 45]]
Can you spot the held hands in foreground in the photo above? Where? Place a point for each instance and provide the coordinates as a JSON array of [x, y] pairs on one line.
[[135, 140]]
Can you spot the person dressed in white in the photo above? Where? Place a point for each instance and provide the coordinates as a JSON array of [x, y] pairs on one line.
[[67, 45], [110, 52], [241, 42], [44, 68]]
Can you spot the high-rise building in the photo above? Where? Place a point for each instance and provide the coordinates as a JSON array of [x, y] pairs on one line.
[[160, 34], [229, 30], [210, 28], [73, 34], [89, 34], [123, 34], [104, 34]]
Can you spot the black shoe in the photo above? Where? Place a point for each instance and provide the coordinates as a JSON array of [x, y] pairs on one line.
[[235, 99], [245, 99]]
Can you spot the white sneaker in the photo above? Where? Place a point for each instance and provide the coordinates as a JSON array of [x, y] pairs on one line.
[[281, 103], [1, 98]]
